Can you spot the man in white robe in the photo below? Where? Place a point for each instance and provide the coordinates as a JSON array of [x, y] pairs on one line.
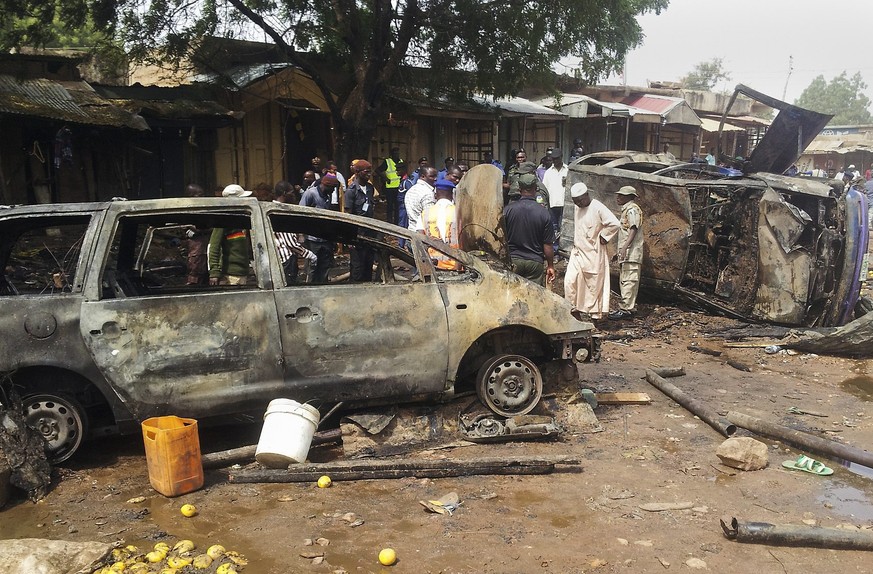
[[586, 283]]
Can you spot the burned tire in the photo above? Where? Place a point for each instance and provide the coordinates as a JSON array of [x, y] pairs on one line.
[[509, 385], [60, 419]]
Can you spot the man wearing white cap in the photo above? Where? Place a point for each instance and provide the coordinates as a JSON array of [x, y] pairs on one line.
[[586, 283]]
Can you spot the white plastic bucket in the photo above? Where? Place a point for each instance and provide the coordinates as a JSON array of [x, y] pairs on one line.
[[287, 433]]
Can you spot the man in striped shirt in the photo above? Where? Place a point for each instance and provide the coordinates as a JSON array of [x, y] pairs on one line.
[[289, 246]]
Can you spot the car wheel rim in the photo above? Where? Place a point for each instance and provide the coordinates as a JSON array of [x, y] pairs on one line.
[[510, 385], [59, 422]]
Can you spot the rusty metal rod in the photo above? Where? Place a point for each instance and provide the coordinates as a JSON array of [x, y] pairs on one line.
[[695, 406], [795, 535], [801, 439]]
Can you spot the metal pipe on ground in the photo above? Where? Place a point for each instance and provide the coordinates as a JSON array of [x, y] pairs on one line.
[[795, 535], [668, 372], [693, 405], [801, 439]]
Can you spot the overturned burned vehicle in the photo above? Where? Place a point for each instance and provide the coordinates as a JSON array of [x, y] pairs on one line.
[[101, 327], [740, 239]]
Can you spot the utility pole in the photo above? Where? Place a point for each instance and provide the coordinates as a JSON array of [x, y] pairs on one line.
[[790, 69]]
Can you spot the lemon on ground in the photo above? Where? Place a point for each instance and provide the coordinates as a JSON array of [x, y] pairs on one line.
[[387, 557], [226, 568], [156, 556], [188, 510], [183, 546], [215, 551], [324, 482], [162, 547]]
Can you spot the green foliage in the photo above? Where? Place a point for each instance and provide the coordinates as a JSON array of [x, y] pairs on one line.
[[490, 46], [706, 75], [41, 23], [842, 96]]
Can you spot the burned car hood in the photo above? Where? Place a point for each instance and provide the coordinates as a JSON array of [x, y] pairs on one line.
[[793, 129]]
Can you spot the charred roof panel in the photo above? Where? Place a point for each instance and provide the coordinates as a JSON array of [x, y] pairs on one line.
[[73, 102]]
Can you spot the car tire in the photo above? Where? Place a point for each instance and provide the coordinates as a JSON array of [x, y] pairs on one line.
[[60, 419], [509, 385]]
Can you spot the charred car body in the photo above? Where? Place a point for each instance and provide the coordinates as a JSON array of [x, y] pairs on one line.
[[101, 330], [739, 240]]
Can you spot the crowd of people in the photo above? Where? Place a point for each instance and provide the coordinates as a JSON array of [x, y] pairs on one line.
[[423, 202]]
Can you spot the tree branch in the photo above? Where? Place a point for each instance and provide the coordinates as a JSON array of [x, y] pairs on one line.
[[292, 55]]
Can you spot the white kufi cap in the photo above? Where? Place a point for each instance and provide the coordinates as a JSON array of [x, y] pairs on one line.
[[578, 190]]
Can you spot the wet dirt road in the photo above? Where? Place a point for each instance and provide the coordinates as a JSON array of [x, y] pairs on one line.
[[588, 520]]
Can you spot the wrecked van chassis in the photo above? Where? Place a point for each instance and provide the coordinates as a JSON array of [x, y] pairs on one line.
[[92, 359], [749, 244]]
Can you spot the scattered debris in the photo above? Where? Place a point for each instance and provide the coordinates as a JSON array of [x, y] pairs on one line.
[[23, 450], [739, 366], [489, 428], [662, 506], [704, 350], [702, 411], [446, 504], [623, 398], [799, 411], [794, 535], [246, 454], [854, 339], [743, 453]]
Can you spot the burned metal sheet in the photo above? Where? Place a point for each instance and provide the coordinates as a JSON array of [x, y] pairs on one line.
[[479, 201]]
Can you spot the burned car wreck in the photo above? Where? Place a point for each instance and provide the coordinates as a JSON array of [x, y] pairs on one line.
[[102, 329], [741, 240]]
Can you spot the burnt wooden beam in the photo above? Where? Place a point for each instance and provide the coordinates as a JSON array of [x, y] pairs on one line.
[[380, 469]]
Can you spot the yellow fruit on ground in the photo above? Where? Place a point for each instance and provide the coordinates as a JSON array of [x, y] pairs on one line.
[[119, 554], [156, 556], [131, 548], [202, 562], [168, 571], [118, 567], [324, 482], [162, 547], [226, 568], [178, 561], [188, 510], [387, 557], [215, 551], [183, 546], [138, 568]]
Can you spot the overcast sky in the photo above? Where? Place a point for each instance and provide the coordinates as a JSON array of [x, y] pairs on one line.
[[755, 39]]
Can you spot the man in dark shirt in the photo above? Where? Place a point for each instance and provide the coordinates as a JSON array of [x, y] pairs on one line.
[[359, 201], [529, 234]]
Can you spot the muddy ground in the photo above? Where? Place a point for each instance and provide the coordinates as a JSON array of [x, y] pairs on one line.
[[584, 520]]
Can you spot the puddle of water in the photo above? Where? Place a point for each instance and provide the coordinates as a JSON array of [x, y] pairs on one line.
[[860, 386], [858, 469], [848, 501]]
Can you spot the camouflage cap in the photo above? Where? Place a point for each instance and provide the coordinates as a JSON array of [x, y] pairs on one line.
[[527, 167], [527, 181]]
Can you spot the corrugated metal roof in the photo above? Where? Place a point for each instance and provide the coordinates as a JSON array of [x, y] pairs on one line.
[[659, 104], [73, 102], [709, 125], [519, 106]]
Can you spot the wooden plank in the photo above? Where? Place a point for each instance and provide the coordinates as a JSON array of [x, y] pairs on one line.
[[375, 469], [623, 398]]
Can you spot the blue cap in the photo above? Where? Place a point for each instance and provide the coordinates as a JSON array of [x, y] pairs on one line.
[[444, 184]]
